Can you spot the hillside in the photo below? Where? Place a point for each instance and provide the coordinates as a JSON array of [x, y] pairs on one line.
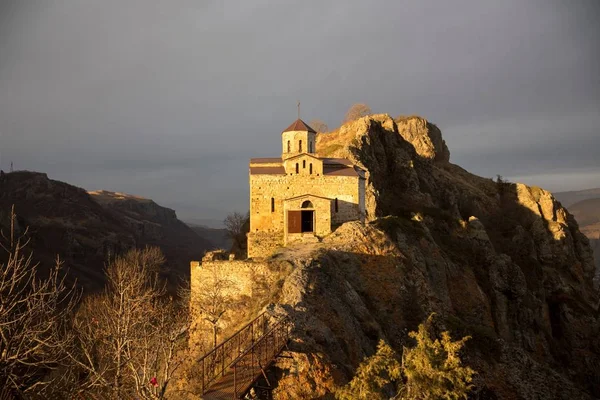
[[85, 229], [502, 262], [218, 237], [587, 213], [569, 198]]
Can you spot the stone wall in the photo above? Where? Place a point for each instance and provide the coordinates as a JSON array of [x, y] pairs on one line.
[[294, 137], [248, 285], [263, 244], [347, 189], [280, 187], [239, 275], [237, 271], [304, 163], [321, 218]]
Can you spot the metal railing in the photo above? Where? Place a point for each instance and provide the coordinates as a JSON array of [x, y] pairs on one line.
[[216, 362], [254, 361]]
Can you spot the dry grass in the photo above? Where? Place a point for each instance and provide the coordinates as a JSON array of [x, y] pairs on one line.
[[330, 150], [403, 118], [330, 143]]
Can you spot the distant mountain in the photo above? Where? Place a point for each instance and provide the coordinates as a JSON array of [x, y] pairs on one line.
[[587, 214], [86, 229], [217, 237], [569, 198], [206, 222]]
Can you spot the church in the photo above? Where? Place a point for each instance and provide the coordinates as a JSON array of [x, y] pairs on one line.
[[301, 197]]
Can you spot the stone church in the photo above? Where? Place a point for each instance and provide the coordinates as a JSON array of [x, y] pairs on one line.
[[300, 196]]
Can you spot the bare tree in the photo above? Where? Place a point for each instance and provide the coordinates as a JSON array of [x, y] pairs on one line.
[[237, 225], [357, 111], [318, 125], [213, 298], [128, 336], [234, 224], [34, 312]]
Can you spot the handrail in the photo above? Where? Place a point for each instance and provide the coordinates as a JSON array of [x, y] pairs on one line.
[[232, 336], [258, 357], [277, 325], [215, 362]]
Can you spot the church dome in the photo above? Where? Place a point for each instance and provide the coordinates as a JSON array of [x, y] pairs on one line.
[[299, 125]]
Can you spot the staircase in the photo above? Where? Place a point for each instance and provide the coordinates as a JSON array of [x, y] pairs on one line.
[[231, 369]]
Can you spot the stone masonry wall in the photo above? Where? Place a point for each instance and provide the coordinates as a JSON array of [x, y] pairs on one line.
[[321, 218], [304, 163], [240, 276], [263, 244], [280, 187], [294, 137], [347, 189]]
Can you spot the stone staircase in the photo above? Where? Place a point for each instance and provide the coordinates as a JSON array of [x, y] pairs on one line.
[[309, 238]]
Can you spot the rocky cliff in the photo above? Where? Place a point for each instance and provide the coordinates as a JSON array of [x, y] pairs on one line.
[[85, 229], [502, 262]]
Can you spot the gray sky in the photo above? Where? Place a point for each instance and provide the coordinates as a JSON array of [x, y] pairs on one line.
[[169, 99]]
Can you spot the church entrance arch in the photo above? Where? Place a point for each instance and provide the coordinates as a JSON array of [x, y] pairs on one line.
[[307, 204]]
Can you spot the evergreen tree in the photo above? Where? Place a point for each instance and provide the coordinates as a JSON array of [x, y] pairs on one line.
[[377, 377], [433, 368]]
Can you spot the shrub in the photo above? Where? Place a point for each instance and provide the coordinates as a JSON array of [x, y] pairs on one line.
[[433, 368], [430, 370], [377, 377]]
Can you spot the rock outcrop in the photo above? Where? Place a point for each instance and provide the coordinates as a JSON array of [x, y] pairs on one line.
[[425, 137], [502, 262]]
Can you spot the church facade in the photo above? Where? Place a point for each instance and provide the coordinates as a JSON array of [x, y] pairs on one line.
[[300, 196]]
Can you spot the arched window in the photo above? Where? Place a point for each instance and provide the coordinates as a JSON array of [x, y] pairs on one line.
[[310, 168], [272, 204], [307, 204], [289, 146], [310, 147], [297, 168], [300, 146], [303, 163], [336, 205]]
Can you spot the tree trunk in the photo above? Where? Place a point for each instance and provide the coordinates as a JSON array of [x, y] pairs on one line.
[[214, 336]]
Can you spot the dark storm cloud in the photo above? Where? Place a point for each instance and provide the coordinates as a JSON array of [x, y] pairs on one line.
[[170, 99]]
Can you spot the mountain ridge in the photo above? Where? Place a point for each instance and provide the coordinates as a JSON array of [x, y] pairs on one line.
[[571, 197], [86, 229]]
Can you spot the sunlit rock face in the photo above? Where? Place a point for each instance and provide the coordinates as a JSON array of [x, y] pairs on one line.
[[425, 137], [502, 262]]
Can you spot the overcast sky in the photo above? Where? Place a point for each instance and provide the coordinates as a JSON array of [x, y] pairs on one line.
[[169, 99]]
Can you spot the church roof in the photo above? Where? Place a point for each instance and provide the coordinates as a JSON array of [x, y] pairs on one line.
[[270, 160], [299, 125], [305, 154], [347, 171], [267, 171], [307, 195], [342, 161]]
